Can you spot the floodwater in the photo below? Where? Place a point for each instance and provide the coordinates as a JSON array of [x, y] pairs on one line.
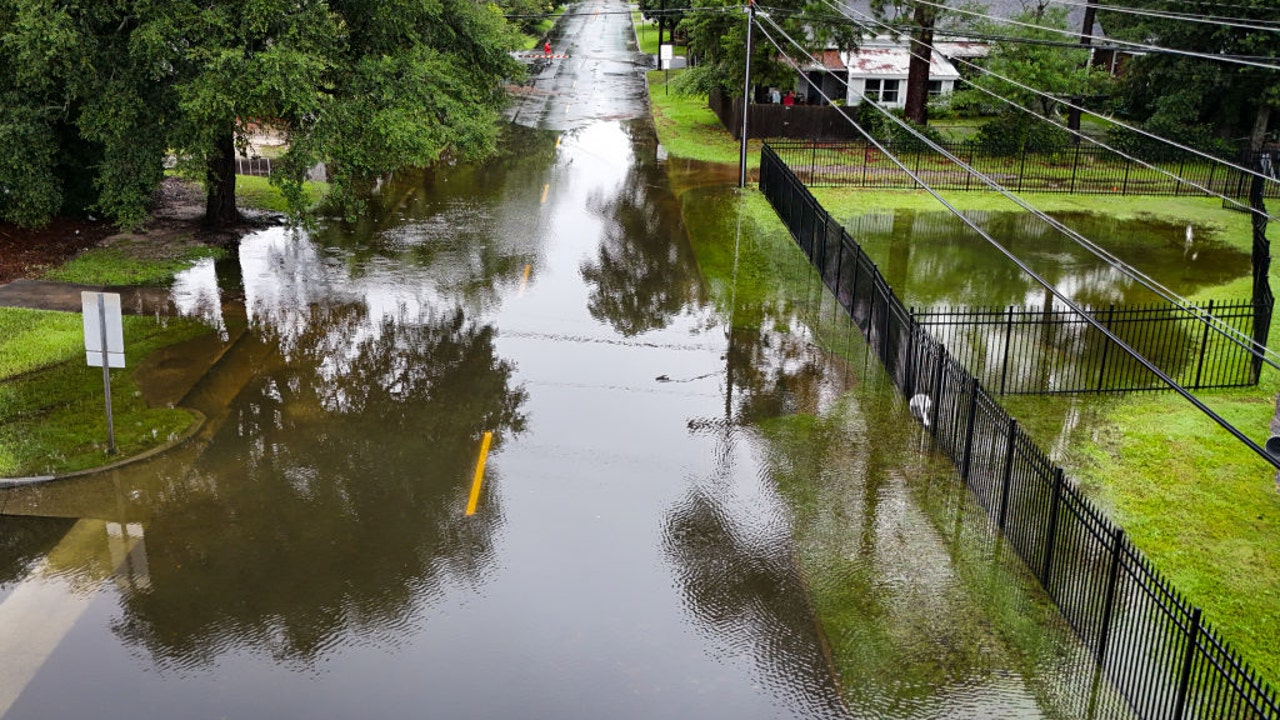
[[930, 257], [699, 500]]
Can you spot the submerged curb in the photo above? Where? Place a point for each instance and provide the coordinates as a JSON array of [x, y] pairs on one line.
[[198, 421]]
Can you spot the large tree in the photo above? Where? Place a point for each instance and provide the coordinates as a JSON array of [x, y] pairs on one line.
[[366, 86], [717, 34], [1208, 103]]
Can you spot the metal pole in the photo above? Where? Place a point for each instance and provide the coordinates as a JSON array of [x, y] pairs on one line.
[[746, 95], [106, 373]]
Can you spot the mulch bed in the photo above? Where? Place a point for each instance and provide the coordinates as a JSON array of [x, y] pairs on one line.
[[26, 252]]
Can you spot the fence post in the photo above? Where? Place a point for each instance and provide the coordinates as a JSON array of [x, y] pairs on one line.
[[1075, 165], [1010, 449], [1177, 183], [968, 430], [813, 164], [1184, 682], [1124, 189], [1008, 335], [1051, 536], [1106, 345], [1209, 185], [1204, 346], [937, 386], [1023, 169], [1113, 579], [968, 176], [909, 386]]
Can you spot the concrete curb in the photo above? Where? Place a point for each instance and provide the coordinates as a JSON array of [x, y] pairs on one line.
[[198, 421]]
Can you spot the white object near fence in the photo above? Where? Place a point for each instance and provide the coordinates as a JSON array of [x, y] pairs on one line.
[[104, 344]]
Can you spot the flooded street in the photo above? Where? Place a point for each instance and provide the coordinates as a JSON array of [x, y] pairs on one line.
[[687, 467]]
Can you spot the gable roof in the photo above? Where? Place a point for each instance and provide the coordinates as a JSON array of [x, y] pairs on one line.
[[887, 62]]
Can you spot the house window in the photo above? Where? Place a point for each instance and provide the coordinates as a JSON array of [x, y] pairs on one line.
[[882, 91], [935, 88]]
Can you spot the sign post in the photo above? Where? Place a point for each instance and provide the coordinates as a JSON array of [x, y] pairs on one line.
[[665, 53], [104, 344]]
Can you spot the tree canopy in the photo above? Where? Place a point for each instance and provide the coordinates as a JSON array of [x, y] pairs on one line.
[[717, 38], [95, 96], [1213, 105]]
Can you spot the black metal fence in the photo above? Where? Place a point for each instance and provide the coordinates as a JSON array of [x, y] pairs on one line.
[[1149, 641], [1053, 349], [1079, 169]]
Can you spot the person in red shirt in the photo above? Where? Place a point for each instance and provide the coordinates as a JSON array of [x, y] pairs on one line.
[[546, 48], [789, 99]]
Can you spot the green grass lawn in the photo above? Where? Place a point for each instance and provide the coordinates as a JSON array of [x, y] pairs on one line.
[[134, 262], [259, 194], [52, 416], [1202, 506], [647, 35], [688, 129]]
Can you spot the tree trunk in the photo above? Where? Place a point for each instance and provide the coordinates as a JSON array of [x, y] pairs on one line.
[[220, 179], [1260, 123], [1086, 39], [917, 107]]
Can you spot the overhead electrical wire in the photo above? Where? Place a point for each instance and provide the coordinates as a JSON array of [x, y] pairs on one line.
[[961, 34], [1230, 333], [1219, 20], [1058, 294], [1115, 41], [1106, 118]]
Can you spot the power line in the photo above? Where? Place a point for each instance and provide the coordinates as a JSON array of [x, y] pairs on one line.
[[1125, 43], [1218, 20], [971, 34], [1230, 333], [1105, 118], [1058, 294]]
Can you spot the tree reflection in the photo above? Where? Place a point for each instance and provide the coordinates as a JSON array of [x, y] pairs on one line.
[[644, 273], [330, 505], [933, 259], [745, 588]]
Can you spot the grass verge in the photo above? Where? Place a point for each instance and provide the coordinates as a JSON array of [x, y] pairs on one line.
[[1201, 505], [131, 262], [688, 129], [51, 404]]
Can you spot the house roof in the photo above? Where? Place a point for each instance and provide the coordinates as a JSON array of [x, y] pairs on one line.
[[882, 62]]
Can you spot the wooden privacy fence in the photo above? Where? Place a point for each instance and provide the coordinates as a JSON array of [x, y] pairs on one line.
[[1153, 645], [1079, 169], [781, 121], [1053, 349]]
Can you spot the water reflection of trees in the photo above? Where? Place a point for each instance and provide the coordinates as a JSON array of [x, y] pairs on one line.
[[24, 541], [933, 259], [330, 504], [467, 223], [746, 590], [644, 273]]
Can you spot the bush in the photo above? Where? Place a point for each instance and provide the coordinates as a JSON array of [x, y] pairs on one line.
[[1013, 133]]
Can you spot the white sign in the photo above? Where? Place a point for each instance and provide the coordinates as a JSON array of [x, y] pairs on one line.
[[666, 52], [96, 315]]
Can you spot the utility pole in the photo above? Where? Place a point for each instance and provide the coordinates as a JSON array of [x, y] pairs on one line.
[[746, 96], [1086, 34]]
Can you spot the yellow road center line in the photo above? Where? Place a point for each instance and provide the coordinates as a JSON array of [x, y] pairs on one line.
[[545, 188], [524, 281], [475, 484], [558, 139]]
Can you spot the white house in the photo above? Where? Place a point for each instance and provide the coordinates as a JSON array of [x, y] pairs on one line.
[[877, 71]]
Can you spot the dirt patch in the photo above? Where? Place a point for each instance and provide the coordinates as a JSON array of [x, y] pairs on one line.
[[176, 223]]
